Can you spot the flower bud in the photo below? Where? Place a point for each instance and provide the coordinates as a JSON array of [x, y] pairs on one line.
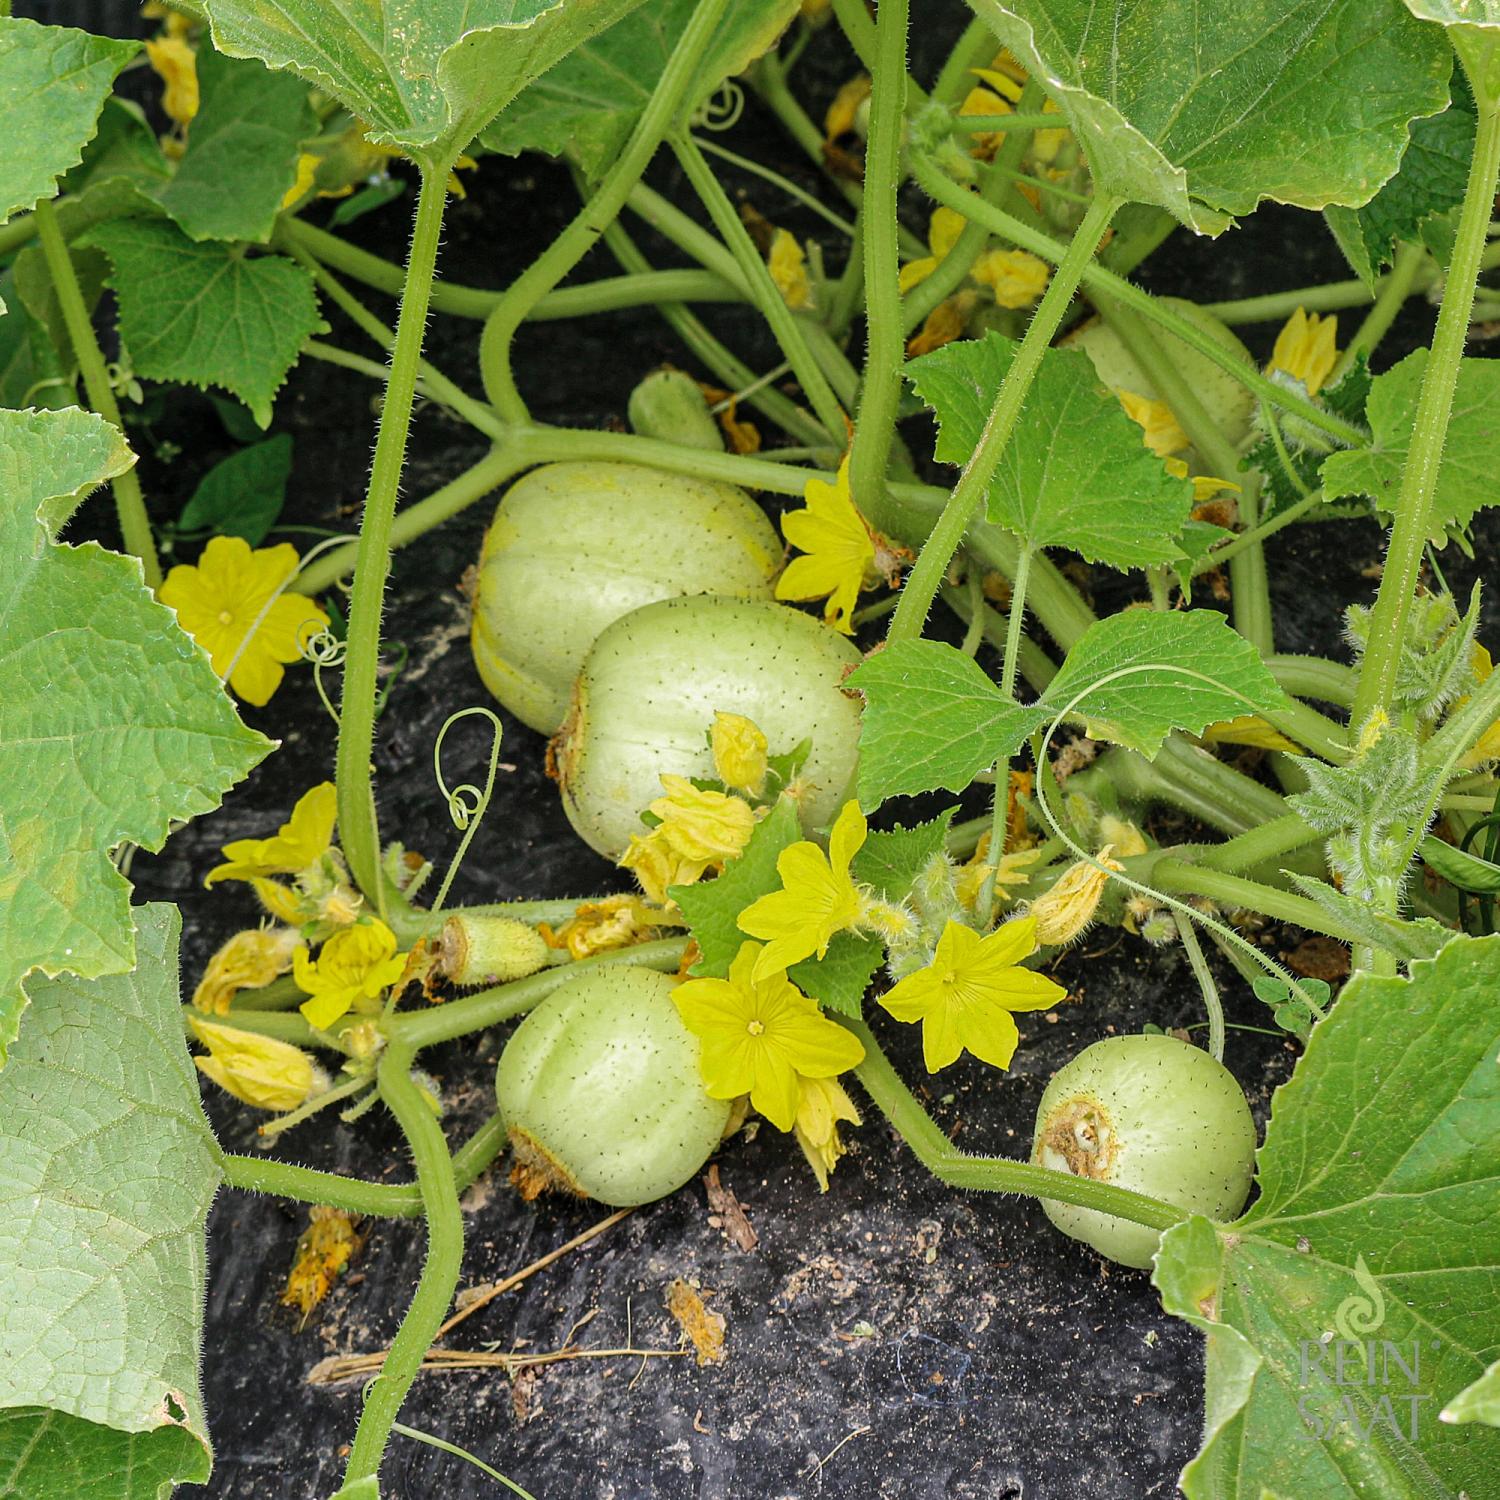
[[1063, 912], [258, 1070], [739, 751]]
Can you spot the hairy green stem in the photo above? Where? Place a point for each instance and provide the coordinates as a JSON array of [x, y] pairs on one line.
[[1176, 876], [445, 1247], [973, 49], [1035, 665], [549, 268], [923, 581], [992, 1174], [130, 504], [885, 344], [358, 830], [1419, 475], [938, 186]]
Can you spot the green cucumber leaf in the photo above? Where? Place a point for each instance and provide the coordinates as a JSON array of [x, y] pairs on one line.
[[713, 907], [242, 151], [31, 370], [107, 1171], [204, 314], [1479, 1402], [1206, 110], [1466, 479], [1075, 473], [112, 723], [589, 102], [124, 146], [242, 495], [1373, 1242], [1474, 27], [1195, 542], [54, 81], [933, 718], [1458, 867], [1182, 669], [425, 75], [1429, 186], [891, 861]]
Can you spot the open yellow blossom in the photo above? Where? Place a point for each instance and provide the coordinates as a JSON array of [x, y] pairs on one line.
[[943, 230], [603, 926], [739, 750], [702, 825], [229, 604], [354, 965], [821, 1105], [657, 864], [1307, 349], [760, 1034], [1063, 912], [1162, 433], [817, 898], [965, 996], [258, 1070], [247, 961], [1487, 747], [1016, 277], [788, 266], [301, 841], [176, 64], [839, 551]]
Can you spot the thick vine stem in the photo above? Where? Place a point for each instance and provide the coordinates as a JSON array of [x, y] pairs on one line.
[[963, 504], [549, 268], [358, 830], [130, 504], [1413, 511], [939, 187], [445, 1247], [994, 1174], [886, 346], [262, 1174], [1176, 876], [1206, 985]]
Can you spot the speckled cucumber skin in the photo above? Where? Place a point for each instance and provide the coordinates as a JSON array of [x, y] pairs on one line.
[[574, 546], [1223, 397], [652, 683], [1181, 1129], [604, 1076]]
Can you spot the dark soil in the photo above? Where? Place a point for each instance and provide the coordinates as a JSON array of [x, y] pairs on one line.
[[892, 1338]]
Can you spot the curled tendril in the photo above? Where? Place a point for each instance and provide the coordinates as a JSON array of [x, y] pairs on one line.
[[722, 109], [323, 649], [1183, 909], [467, 804]]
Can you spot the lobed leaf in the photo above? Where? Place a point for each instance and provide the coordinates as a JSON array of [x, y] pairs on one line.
[[54, 81], [1466, 477], [112, 723], [588, 104], [1373, 1247], [1075, 473], [890, 861], [204, 314], [1206, 110], [425, 75], [107, 1171]]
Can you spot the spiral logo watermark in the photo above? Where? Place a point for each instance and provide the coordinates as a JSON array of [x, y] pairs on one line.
[[1355, 1383]]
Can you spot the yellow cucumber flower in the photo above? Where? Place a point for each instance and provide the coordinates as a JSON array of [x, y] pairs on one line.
[[354, 965], [965, 996], [1016, 277], [324, 1250], [307, 175], [702, 825], [603, 926], [228, 603], [844, 111], [656, 864], [1307, 349], [1205, 486], [759, 1034], [1063, 912], [258, 1070], [739, 750], [943, 230], [817, 898], [247, 961], [176, 64], [821, 1105], [1122, 836], [1487, 747], [1011, 871], [787, 262], [301, 841], [839, 551], [1161, 432]]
